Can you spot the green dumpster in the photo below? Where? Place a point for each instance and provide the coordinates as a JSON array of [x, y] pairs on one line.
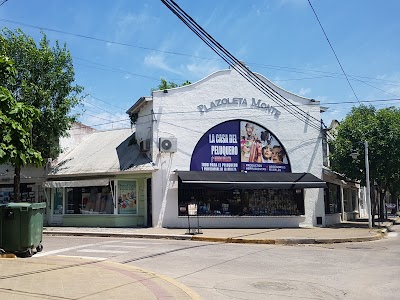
[[21, 227]]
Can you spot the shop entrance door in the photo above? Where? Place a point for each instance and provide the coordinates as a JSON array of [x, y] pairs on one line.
[[149, 204], [57, 207]]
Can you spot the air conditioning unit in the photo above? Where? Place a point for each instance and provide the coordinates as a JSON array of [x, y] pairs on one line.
[[168, 145], [145, 145]]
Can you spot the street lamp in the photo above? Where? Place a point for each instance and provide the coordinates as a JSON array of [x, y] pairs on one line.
[[368, 194]]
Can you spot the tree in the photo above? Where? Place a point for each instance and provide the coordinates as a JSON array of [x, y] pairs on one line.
[[44, 79], [15, 121], [381, 129], [389, 120], [164, 85]]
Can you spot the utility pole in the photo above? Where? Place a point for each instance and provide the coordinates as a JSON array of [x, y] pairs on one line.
[[368, 195]]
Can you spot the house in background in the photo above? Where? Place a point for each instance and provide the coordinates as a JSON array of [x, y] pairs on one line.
[[344, 199], [103, 180]]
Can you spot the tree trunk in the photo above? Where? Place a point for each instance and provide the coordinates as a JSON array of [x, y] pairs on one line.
[[393, 199], [381, 205], [17, 182], [373, 205]]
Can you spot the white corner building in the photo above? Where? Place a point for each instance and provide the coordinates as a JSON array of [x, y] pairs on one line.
[[225, 148]]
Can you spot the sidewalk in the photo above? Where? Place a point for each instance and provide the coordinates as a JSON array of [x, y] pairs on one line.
[[60, 277], [344, 232]]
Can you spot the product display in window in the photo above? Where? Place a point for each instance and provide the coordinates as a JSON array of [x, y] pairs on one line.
[[257, 202], [90, 200], [127, 201]]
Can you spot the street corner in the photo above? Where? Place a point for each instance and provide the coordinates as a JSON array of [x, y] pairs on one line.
[[161, 286], [89, 278]]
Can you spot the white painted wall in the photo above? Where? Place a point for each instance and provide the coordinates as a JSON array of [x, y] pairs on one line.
[[177, 116], [144, 123]]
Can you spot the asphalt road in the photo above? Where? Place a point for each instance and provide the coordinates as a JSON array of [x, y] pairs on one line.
[[366, 270]]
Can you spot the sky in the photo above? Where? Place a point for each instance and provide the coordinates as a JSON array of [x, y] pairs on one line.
[[121, 48]]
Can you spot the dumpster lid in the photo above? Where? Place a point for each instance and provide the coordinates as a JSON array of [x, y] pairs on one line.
[[26, 205]]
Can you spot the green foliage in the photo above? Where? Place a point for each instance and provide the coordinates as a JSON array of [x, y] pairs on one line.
[[15, 121], [44, 79], [381, 129], [164, 85], [134, 117]]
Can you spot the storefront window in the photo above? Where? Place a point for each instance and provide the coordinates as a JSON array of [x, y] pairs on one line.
[[127, 197], [332, 199], [5, 194], [240, 202], [89, 200], [354, 199], [27, 194]]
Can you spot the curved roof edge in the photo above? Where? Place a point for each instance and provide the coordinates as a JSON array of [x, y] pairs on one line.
[[196, 82], [260, 76]]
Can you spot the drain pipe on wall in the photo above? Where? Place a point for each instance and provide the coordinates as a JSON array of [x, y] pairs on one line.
[[164, 201]]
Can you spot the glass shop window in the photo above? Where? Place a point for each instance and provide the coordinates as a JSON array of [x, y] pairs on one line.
[[89, 200], [241, 202], [332, 199]]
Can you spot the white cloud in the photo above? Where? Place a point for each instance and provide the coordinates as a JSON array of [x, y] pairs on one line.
[[201, 69], [304, 91], [292, 3], [158, 61], [391, 84], [128, 26], [130, 20]]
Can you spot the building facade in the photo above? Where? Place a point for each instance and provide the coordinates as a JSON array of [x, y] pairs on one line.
[[103, 180], [228, 148], [344, 199]]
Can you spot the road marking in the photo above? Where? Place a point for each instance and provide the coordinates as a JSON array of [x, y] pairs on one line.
[[143, 243], [85, 257], [123, 246], [101, 251], [393, 234], [62, 250]]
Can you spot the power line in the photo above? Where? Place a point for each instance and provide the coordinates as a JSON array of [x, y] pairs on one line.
[[211, 118], [124, 109], [115, 69], [4, 1], [174, 53], [275, 67], [333, 50], [337, 76], [98, 107], [240, 68], [100, 39]]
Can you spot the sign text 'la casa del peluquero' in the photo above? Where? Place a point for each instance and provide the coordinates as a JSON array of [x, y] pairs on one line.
[[239, 102]]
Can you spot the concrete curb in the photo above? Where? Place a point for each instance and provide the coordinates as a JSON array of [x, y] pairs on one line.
[[115, 234], [290, 241], [188, 291], [279, 241]]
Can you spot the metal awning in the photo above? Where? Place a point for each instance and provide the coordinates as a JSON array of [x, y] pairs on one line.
[[77, 183], [252, 180]]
